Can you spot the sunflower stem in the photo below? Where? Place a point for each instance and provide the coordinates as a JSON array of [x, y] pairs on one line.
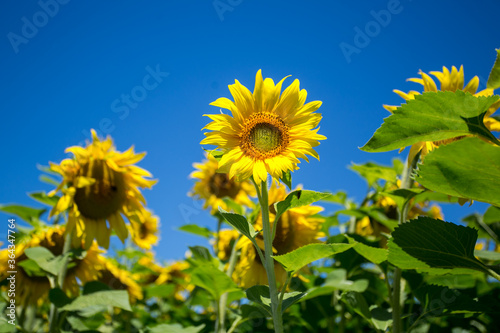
[[269, 261], [406, 182], [223, 298], [58, 282]]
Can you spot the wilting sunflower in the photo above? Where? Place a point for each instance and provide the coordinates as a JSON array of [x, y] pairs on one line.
[[296, 227], [213, 187], [119, 279], [144, 231], [450, 81], [100, 184], [267, 132], [34, 286]]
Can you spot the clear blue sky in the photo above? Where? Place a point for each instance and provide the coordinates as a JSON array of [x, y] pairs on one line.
[[65, 72]]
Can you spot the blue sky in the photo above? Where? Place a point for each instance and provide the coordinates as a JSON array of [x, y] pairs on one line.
[[68, 66]]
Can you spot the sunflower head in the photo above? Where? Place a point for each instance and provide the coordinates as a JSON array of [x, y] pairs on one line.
[[119, 279], [35, 286], [267, 130], [296, 227], [224, 244], [100, 185], [214, 187], [144, 230], [450, 81]]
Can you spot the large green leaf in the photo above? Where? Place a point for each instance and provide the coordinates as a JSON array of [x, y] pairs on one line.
[[433, 116], [298, 258], [239, 222], [373, 254], [46, 260], [373, 172], [116, 298], [439, 244], [213, 280], [298, 198], [260, 295], [494, 78], [28, 214], [467, 168]]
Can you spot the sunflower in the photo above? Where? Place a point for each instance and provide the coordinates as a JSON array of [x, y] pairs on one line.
[[224, 245], [145, 231], [267, 132], [100, 184], [175, 274], [118, 279], [296, 227], [213, 187], [450, 81], [34, 287]]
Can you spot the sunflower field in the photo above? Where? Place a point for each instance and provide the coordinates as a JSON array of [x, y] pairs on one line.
[[277, 262]]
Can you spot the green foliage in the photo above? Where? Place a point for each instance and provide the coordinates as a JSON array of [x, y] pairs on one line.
[[296, 259], [373, 172], [298, 198], [44, 198], [114, 298], [196, 230], [373, 254], [465, 168], [494, 78], [286, 178], [27, 214], [175, 328], [212, 280], [239, 222], [46, 260], [439, 244], [432, 117]]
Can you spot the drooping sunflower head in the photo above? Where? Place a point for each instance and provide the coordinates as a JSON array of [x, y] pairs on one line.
[[213, 187], [295, 228], [144, 230], [267, 131], [34, 284], [450, 81], [175, 274], [100, 185]]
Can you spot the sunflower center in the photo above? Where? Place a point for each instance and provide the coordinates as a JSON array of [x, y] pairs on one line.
[[103, 198], [264, 135], [221, 186]]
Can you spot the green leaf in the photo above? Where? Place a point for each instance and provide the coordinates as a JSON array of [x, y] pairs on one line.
[[487, 255], [94, 286], [44, 198], [492, 215], [162, 290], [46, 260], [381, 318], [175, 328], [298, 258], [373, 254], [298, 198], [31, 268], [48, 180], [339, 198], [290, 299], [213, 280], [58, 297], [115, 298], [196, 230], [465, 169], [261, 296], [239, 222], [439, 244], [28, 214], [494, 78], [201, 253], [338, 280], [373, 172], [399, 258], [433, 116], [286, 178], [357, 303]]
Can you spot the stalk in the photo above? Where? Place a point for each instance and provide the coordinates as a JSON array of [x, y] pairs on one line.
[[269, 261], [406, 182]]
